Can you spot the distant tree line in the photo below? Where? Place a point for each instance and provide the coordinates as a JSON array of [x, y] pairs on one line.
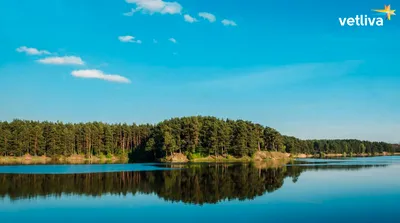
[[189, 135], [20, 137], [336, 146]]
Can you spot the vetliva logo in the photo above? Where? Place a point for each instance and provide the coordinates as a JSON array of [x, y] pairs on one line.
[[364, 20], [361, 20]]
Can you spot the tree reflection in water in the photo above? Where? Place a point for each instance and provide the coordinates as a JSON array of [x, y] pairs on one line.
[[194, 184]]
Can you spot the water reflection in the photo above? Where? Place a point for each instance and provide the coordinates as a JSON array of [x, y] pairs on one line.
[[195, 184]]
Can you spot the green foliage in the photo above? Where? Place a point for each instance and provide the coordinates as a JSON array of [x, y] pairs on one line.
[[51, 139], [197, 136], [229, 157], [102, 156], [273, 139], [192, 156], [362, 148]]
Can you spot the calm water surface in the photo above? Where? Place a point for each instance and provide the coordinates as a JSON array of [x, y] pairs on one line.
[[308, 190]]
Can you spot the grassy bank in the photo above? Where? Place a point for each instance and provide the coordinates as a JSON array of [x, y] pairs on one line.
[[75, 159], [329, 155], [221, 159], [260, 156], [199, 158]]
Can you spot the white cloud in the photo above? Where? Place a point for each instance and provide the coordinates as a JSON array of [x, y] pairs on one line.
[[189, 18], [98, 74], [126, 38], [31, 51], [227, 22], [172, 40], [129, 39], [210, 17], [156, 6], [66, 60]]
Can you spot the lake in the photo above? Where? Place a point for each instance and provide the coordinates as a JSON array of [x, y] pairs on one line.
[[307, 190]]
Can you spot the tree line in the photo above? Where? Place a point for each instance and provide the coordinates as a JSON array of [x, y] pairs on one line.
[[195, 135]]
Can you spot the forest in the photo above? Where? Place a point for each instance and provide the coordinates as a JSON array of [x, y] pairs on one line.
[[193, 136]]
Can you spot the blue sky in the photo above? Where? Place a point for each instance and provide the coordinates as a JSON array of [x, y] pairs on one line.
[[286, 64]]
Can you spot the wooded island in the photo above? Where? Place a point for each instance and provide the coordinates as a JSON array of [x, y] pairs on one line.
[[193, 137]]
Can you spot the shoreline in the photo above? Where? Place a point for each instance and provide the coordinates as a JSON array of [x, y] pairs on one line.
[[75, 159], [333, 155], [260, 156]]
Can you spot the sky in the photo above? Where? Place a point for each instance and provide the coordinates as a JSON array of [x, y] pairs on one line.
[[286, 64]]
